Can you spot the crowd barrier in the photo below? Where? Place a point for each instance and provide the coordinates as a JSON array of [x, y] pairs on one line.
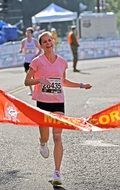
[[92, 49], [88, 49], [10, 56]]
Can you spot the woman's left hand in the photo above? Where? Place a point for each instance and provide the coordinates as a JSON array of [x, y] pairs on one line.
[[86, 86]]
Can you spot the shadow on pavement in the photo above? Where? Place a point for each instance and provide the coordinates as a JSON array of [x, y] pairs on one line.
[[57, 187]]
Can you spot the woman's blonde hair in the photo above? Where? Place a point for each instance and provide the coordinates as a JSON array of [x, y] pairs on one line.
[[43, 34]]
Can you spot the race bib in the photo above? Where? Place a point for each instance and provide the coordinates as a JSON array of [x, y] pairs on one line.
[[54, 87], [30, 51]]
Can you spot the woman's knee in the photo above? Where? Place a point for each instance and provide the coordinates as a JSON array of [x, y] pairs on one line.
[[57, 138], [44, 134]]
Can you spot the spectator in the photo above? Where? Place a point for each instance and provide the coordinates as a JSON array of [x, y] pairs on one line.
[[36, 32], [55, 37], [73, 42]]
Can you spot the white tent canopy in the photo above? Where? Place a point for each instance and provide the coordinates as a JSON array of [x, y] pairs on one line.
[[54, 13]]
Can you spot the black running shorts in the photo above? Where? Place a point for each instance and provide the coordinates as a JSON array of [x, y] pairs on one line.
[[26, 66], [52, 107]]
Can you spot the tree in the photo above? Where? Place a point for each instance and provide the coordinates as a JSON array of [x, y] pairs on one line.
[[114, 6]]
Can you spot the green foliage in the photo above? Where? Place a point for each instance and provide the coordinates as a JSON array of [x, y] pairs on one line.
[[114, 6], [90, 4], [111, 6]]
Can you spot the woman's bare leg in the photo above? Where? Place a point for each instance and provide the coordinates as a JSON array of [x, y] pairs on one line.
[[44, 134]]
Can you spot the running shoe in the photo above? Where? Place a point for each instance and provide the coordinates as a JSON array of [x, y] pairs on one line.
[[44, 151], [29, 93], [76, 70], [56, 178]]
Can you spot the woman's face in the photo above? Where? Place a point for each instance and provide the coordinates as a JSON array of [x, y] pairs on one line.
[[47, 42]]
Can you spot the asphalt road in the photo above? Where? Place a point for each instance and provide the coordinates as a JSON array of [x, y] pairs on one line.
[[91, 159]]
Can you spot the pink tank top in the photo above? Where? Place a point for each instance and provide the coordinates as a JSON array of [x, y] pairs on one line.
[[52, 93]]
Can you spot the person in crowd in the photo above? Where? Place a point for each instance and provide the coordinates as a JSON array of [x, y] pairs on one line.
[[48, 74], [73, 42], [31, 48], [36, 32], [55, 37]]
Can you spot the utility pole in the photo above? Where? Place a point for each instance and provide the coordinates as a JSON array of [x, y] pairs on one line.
[[101, 6], [98, 6]]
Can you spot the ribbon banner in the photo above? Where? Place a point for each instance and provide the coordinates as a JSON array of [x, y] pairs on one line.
[[107, 118], [15, 111]]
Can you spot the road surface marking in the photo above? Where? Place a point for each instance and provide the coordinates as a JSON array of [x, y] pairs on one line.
[[98, 143], [17, 90]]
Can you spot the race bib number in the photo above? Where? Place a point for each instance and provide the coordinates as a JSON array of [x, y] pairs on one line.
[[54, 87], [30, 51]]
